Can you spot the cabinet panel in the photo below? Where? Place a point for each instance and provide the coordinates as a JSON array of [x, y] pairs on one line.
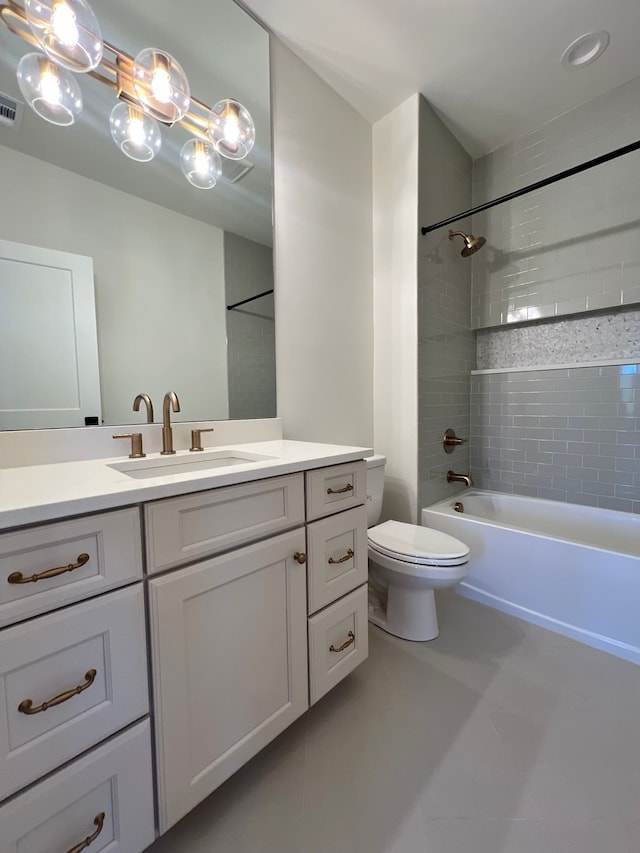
[[336, 488], [337, 556], [338, 641], [106, 547], [91, 659], [184, 529], [107, 793], [229, 654]]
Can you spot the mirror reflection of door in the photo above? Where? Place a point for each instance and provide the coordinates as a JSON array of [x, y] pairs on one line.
[[48, 342]]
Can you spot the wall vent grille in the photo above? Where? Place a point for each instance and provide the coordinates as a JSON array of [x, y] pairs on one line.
[[234, 170], [10, 111]]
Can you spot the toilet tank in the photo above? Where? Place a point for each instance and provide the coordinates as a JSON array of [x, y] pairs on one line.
[[375, 487]]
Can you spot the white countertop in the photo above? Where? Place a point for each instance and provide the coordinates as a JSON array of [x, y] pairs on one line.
[[37, 493]]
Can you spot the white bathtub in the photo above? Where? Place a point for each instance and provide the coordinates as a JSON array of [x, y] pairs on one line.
[[573, 569]]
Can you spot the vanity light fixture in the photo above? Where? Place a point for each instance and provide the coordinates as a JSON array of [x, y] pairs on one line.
[[151, 88]]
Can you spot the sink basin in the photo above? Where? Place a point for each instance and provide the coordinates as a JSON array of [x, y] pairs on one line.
[[167, 466]]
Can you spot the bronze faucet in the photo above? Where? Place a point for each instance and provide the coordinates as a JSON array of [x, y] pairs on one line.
[[146, 399], [467, 479], [170, 402]]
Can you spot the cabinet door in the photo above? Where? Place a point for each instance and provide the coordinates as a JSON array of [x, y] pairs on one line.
[[229, 653]]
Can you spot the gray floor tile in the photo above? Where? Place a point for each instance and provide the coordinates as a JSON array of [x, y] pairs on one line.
[[497, 737]]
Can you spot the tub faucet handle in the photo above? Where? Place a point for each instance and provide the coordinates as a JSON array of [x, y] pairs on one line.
[[450, 441]]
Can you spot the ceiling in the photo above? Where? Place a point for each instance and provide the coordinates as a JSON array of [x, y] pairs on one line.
[[491, 69]]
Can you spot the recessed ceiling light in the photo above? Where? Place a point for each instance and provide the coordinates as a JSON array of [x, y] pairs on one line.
[[585, 50]]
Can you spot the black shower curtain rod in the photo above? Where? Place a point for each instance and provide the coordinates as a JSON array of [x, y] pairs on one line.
[[574, 170], [250, 299]]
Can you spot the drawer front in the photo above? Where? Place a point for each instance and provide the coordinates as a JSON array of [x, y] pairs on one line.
[[107, 794], [67, 681], [105, 551], [336, 488], [338, 642], [181, 530], [337, 556]]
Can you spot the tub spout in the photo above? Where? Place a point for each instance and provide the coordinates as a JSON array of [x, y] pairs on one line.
[[467, 479]]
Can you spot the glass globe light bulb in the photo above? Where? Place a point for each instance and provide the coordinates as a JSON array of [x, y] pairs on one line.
[[136, 134], [63, 22], [200, 163], [231, 129], [161, 85], [49, 90], [68, 32]]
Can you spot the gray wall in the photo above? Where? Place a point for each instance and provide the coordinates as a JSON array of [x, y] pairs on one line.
[[566, 425], [574, 246], [568, 434], [248, 270], [446, 345]]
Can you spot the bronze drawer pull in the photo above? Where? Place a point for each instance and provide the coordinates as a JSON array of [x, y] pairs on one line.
[[347, 488], [300, 557], [346, 644], [99, 822], [26, 706], [18, 577], [344, 559]]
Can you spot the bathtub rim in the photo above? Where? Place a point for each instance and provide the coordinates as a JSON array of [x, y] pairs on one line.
[[447, 509]]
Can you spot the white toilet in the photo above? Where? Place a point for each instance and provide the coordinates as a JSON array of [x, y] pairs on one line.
[[406, 563]]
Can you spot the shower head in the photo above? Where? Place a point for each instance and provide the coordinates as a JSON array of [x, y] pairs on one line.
[[471, 243]]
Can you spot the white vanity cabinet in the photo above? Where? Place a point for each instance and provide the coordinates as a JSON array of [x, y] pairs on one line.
[[230, 634], [74, 682]]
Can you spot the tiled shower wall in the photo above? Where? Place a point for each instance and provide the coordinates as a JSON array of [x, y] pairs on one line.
[[248, 270], [540, 426], [568, 434], [573, 246], [446, 344]]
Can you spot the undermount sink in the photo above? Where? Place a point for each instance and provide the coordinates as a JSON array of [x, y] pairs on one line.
[[166, 466]]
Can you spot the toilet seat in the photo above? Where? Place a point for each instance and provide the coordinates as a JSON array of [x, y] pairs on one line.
[[417, 546]]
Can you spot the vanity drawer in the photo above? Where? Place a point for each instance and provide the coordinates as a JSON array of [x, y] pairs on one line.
[[336, 556], [91, 658], [106, 548], [184, 529], [107, 793], [336, 488], [338, 642]]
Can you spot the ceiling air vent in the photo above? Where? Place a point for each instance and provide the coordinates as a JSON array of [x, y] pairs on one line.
[[234, 170], [10, 111]]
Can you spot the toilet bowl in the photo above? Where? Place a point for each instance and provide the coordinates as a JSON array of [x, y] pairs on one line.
[[406, 564]]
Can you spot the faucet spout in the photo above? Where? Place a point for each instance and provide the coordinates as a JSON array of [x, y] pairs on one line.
[[146, 399], [467, 479], [170, 402]]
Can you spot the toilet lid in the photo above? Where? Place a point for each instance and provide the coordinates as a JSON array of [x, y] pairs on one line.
[[415, 544]]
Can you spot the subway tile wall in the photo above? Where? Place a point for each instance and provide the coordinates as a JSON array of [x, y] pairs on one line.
[[446, 344], [570, 434], [251, 365], [573, 246]]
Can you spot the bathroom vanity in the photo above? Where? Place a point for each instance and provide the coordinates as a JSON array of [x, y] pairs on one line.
[[161, 624]]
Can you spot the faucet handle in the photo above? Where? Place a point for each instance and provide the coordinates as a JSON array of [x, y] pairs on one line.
[[136, 444], [196, 439]]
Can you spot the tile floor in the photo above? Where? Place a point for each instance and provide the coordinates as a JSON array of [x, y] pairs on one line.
[[498, 737]]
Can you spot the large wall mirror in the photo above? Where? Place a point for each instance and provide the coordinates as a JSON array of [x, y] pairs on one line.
[[167, 258]]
